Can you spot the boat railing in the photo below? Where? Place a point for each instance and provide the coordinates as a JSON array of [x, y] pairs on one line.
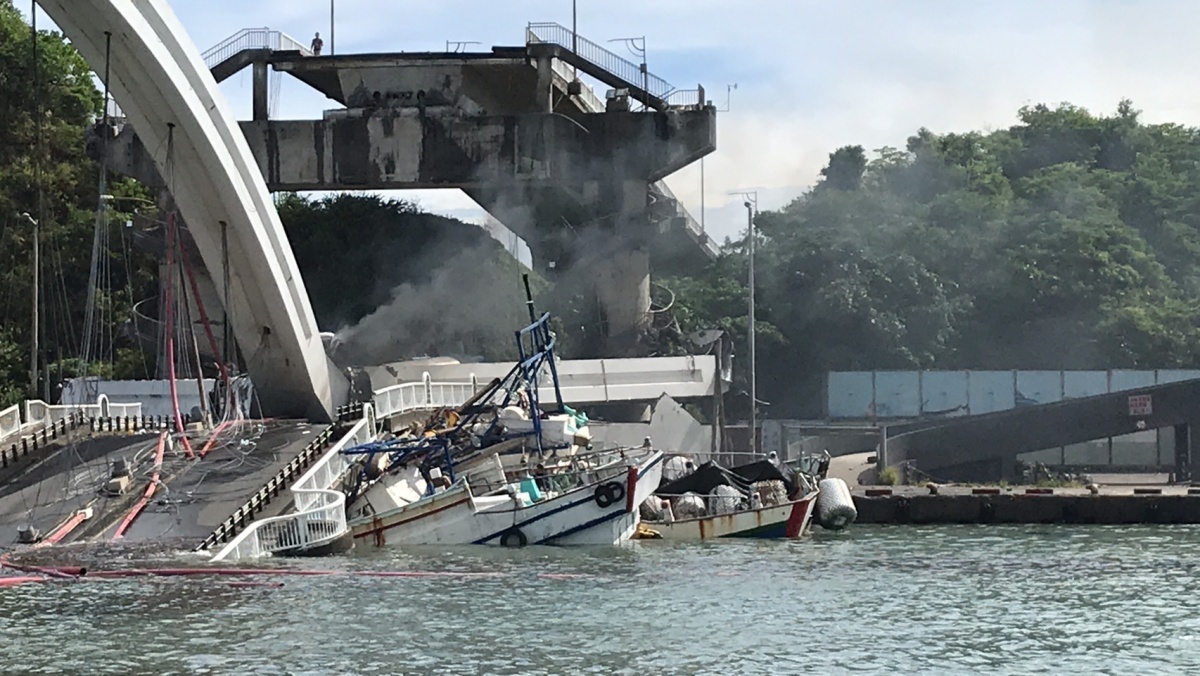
[[320, 516], [577, 474]]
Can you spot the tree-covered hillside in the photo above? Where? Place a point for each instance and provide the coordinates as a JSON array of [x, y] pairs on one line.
[[1068, 240]]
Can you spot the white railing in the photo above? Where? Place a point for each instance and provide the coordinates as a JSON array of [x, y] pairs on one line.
[[427, 394], [591, 102], [39, 414], [320, 516], [10, 422], [253, 38]]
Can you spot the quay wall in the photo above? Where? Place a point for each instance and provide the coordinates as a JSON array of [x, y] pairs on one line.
[[1020, 508]]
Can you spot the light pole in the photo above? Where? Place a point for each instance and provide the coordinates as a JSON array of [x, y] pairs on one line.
[[37, 325], [751, 202], [331, 27], [637, 47], [728, 99]]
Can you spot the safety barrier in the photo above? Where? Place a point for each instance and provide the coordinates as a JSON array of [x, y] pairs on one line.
[[582, 381], [252, 38], [633, 73], [320, 516], [39, 415], [407, 397]]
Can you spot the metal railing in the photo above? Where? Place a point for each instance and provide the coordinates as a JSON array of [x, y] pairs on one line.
[[691, 225], [253, 38], [10, 422], [686, 98], [591, 101], [38, 414], [320, 516], [557, 34], [427, 394]]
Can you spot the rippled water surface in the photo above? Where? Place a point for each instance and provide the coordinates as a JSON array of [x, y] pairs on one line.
[[952, 600]]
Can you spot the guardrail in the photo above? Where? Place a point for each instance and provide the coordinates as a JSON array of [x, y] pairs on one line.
[[38, 415], [427, 394], [320, 516], [686, 98], [557, 34], [252, 38], [591, 101]]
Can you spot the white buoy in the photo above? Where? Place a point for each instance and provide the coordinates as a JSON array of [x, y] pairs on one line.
[[835, 506]]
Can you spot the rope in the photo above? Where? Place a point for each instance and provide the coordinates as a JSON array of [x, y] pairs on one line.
[[230, 402]]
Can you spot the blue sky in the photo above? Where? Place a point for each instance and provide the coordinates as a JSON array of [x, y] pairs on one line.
[[811, 76]]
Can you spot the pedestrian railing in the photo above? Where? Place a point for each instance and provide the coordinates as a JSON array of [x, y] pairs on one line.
[[633, 73], [320, 516], [253, 38], [38, 414]]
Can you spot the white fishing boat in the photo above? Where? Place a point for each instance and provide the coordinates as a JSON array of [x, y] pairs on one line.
[[502, 469], [759, 500], [593, 502]]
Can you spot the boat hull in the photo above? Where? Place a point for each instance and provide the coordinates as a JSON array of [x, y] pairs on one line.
[[789, 520], [577, 517]]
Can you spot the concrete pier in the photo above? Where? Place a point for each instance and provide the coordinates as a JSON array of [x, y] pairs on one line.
[[912, 505]]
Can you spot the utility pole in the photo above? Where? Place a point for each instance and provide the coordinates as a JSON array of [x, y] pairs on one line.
[[751, 205], [37, 324], [35, 352], [331, 27], [574, 26]]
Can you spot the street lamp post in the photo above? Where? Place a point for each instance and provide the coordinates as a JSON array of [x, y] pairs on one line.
[[728, 99], [751, 202], [637, 47], [37, 324], [331, 2]]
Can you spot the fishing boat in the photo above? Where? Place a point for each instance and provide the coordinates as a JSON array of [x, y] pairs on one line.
[[592, 502], [757, 500], [501, 469]]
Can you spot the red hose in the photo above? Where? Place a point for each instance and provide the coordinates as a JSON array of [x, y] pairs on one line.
[[212, 440], [46, 573], [27, 579], [62, 531], [170, 327], [212, 340], [141, 504]]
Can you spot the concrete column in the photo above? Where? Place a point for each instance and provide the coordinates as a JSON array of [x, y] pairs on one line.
[[261, 89], [622, 283], [545, 84]]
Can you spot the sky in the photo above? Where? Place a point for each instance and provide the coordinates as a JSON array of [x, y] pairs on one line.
[[811, 76]]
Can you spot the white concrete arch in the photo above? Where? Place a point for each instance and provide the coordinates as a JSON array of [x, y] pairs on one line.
[[159, 79]]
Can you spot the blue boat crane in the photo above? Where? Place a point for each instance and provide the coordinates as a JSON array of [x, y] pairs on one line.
[[447, 438]]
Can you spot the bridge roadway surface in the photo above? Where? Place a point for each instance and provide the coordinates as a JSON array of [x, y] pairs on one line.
[[985, 447], [199, 494]]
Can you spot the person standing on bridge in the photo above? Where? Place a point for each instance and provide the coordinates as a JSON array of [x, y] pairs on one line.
[[317, 44]]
